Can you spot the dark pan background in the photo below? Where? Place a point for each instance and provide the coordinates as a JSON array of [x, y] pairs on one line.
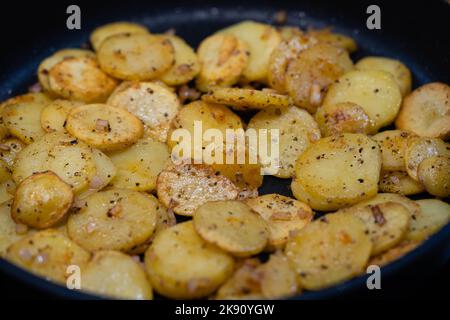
[[413, 32]]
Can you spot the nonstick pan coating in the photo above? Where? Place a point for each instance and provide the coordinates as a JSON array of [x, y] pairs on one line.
[[412, 33]]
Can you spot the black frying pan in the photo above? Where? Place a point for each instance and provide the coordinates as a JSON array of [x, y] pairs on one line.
[[415, 33]]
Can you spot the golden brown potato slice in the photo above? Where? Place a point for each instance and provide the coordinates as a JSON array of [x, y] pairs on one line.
[[246, 99], [209, 116], [54, 115], [297, 130], [5, 172], [186, 66], [401, 73], [80, 78], [182, 265], [138, 166], [48, 63], [284, 216], [261, 40], [413, 208], [116, 219], [22, 114], [287, 51], [434, 174], [137, 56], [373, 90], [419, 149], [41, 200], [222, 58], [9, 148], [7, 190], [10, 232], [288, 32], [104, 127], [426, 111], [329, 250], [343, 117], [115, 275], [183, 188], [313, 71], [399, 182], [337, 171], [154, 104], [232, 226], [394, 253], [103, 32], [67, 157], [47, 253], [393, 144], [385, 223], [333, 38], [435, 214]]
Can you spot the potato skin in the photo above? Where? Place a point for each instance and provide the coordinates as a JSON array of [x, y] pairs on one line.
[[171, 276], [41, 200]]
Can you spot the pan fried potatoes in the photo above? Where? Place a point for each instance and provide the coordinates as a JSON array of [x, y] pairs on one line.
[[104, 127], [337, 171], [102, 154]]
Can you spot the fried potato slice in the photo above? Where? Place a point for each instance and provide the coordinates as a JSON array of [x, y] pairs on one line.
[[373, 90], [10, 232], [401, 73], [5, 172], [337, 171], [246, 99], [413, 208], [232, 226], [116, 275], [343, 117], [419, 149], [171, 276], [48, 63], [80, 78], [186, 66], [22, 114], [288, 32], [426, 111], [297, 130], [273, 279], [222, 58], [183, 188], [329, 250], [138, 166], [434, 174], [7, 189], [105, 171], [116, 219], [70, 159], [104, 127], [393, 144], [284, 216], [399, 182], [41, 200], [54, 115], [136, 56], [9, 148], [313, 71], [333, 38], [394, 253], [209, 116], [261, 40], [103, 32], [286, 51], [385, 223], [47, 253], [154, 104], [435, 214]]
